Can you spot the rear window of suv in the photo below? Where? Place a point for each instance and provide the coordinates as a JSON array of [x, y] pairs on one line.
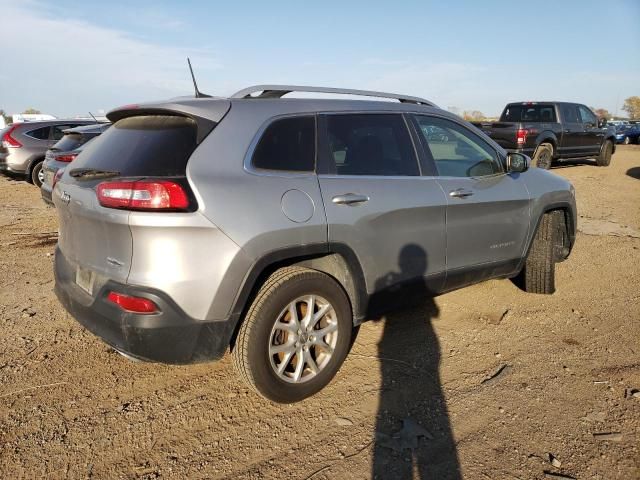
[[147, 145], [529, 113], [69, 142]]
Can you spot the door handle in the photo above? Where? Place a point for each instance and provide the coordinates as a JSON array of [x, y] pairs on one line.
[[567, 131], [460, 193], [349, 199]]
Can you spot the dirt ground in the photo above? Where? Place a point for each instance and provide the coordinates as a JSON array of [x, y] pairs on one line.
[[482, 383]]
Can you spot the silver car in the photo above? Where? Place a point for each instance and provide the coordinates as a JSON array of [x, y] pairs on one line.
[[65, 151], [24, 145], [273, 226]]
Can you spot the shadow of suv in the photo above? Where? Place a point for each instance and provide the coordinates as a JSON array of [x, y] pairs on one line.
[[272, 226]]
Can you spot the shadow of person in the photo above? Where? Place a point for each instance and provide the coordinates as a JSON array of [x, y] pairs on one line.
[[413, 437]]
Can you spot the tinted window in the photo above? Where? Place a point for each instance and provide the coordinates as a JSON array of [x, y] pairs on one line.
[[586, 115], [370, 144], [39, 133], [456, 151], [569, 113], [69, 142], [529, 113], [143, 146], [287, 144]]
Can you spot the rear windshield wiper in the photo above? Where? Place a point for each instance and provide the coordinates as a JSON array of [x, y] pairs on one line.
[[91, 173]]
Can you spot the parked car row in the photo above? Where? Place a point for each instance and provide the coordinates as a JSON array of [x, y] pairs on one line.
[[628, 133], [273, 227], [64, 152], [24, 145]]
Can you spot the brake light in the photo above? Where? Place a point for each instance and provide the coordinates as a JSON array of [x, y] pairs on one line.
[[521, 136], [143, 195], [67, 157], [56, 177], [8, 141], [132, 304]]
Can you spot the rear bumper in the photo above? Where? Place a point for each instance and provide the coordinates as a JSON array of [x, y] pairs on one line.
[[169, 336], [45, 192]]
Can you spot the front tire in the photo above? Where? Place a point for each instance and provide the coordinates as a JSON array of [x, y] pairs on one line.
[[538, 274], [604, 159], [295, 336], [543, 156]]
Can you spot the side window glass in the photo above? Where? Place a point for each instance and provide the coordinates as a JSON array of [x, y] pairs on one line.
[[456, 151], [370, 144], [39, 133], [287, 144], [587, 115], [569, 114]]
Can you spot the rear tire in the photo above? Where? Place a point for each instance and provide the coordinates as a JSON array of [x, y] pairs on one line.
[[538, 274], [543, 158], [37, 174], [604, 159], [272, 340]]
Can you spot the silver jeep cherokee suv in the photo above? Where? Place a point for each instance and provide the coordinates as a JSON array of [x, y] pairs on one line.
[[273, 226]]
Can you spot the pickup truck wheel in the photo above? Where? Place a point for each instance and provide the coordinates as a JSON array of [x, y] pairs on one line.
[[543, 156], [538, 274], [295, 335], [604, 159]]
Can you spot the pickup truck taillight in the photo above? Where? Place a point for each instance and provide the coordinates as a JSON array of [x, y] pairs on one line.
[[521, 136], [154, 195], [8, 141]]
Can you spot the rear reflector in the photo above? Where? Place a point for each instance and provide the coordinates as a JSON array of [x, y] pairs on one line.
[[8, 141], [132, 304], [67, 157], [143, 195]]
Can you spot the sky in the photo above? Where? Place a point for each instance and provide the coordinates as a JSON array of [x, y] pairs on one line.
[[68, 57]]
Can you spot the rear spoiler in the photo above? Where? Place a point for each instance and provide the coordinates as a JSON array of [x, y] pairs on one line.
[[205, 113]]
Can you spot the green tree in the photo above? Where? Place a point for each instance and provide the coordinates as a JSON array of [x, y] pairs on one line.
[[632, 107], [31, 110]]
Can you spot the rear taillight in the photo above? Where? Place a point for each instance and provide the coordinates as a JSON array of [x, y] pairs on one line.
[[56, 177], [521, 136], [8, 141], [67, 157], [132, 304], [143, 195]]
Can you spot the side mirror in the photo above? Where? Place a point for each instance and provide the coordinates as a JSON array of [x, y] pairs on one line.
[[517, 162], [602, 122]]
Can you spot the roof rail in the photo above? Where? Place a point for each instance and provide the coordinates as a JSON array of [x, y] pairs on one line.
[[278, 91]]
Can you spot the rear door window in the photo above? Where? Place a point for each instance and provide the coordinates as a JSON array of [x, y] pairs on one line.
[[39, 133], [569, 113], [369, 144], [147, 145], [288, 144]]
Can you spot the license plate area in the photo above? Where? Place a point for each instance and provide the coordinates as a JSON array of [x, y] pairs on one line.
[[85, 279]]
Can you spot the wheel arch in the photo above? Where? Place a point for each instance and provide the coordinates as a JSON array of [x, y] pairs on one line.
[[32, 163], [569, 233], [547, 137], [337, 260]]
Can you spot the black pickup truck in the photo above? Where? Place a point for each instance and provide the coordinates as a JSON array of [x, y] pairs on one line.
[[549, 131]]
